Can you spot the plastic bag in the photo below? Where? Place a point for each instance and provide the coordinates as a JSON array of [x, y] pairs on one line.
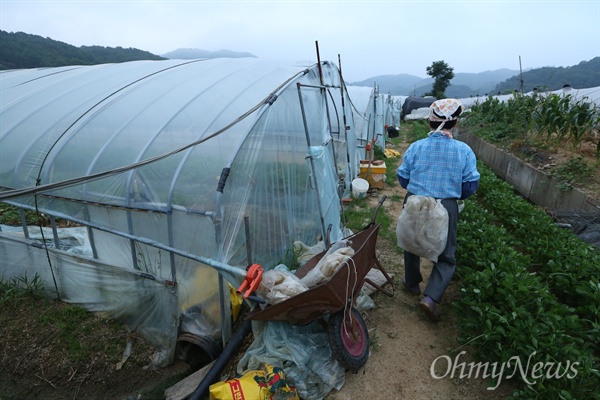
[[364, 302], [265, 384], [328, 264], [305, 252], [302, 351], [423, 227], [278, 285]]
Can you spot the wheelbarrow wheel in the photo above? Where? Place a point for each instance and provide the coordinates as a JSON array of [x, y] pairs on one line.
[[349, 338]]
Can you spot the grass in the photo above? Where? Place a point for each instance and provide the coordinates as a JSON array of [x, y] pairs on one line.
[[575, 170], [374, 341], [18, 288], [65, 321], [69, 323]]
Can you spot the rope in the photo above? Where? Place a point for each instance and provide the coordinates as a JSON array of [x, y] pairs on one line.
[[352, 294], [40, 224]]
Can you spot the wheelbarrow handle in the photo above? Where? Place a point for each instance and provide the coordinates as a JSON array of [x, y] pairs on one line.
[[383, 198]]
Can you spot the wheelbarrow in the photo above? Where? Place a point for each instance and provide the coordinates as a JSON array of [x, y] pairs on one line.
[[333, 301]]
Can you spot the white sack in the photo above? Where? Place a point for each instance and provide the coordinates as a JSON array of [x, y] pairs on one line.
[[423, 227], [329, 264], [278, 285]]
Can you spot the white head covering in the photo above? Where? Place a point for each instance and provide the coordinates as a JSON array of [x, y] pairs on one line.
[[445, 110]]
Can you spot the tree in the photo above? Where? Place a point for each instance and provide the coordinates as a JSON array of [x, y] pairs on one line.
[[443, 74], [22, 50]]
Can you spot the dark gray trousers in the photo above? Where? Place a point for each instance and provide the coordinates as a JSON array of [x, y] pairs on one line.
[[443, 270]]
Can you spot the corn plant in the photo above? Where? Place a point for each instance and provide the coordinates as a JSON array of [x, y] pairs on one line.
[[552, 119], [583, 116]]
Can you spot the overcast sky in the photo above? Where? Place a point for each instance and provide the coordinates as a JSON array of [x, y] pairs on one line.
[[372, 37]]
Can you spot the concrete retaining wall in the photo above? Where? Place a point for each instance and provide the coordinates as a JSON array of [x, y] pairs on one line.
[[533, 184]]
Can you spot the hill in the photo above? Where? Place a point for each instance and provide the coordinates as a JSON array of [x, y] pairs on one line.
[[401, 84], [586, 74], [22, 50]]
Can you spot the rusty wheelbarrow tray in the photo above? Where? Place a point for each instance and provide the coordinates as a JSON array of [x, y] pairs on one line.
[[333, 300]]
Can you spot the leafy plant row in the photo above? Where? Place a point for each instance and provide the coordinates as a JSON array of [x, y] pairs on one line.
[[566, 264], [510, 311]]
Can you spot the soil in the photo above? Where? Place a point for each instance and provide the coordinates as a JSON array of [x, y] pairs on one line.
[[553, 161], [41, 358], [38, 363]]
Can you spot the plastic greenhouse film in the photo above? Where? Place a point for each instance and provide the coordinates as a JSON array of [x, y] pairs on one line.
[[304, 354]]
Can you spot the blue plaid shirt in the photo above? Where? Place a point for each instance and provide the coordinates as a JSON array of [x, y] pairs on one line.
[[437, 166]]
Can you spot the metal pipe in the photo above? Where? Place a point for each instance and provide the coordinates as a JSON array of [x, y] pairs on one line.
[[24, 223], [319, 62], [346, 127], [54, 232], [225, 311], [248, 243], [171, 243], [90, 232], [222, 267], [318, 86], [312, 161]]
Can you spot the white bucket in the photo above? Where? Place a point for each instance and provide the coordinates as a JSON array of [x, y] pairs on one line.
[[359, 187]]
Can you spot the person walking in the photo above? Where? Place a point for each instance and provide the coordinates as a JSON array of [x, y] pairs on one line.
[[442, 168]]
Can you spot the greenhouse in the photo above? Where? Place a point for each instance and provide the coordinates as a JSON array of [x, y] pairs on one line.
[[162, 181], [589, 95], [373, 112]]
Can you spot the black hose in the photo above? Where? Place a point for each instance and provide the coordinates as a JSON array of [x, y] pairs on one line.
[[230, 350], [223, 179]]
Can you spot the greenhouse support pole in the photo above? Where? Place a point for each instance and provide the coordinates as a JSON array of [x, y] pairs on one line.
[[90, 232], [224, 301], [248, 241], [24, 223], [375, 96], [312, 161], [172, 244], [319, 62], [225, 304], [350, 168], [367, 139], [346, 127], [324, 92], [54, 232]]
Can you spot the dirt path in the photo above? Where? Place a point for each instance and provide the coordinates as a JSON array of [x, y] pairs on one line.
[[404, 344]]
